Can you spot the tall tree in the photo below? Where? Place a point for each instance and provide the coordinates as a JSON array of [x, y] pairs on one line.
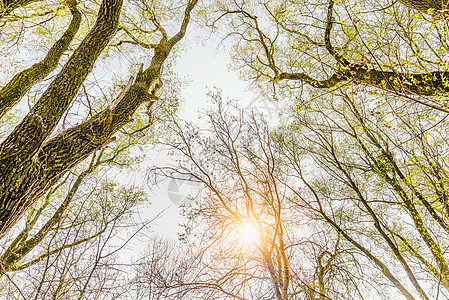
[[379, 179], [377, 44], [245, 228], [72, 242], [32, 160]]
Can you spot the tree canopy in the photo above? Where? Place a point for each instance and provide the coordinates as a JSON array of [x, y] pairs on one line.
[[344, 195]]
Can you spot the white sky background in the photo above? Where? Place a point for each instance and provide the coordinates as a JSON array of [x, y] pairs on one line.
[[205, 66]]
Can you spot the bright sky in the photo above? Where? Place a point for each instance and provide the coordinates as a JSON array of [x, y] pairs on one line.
[[206, 67]]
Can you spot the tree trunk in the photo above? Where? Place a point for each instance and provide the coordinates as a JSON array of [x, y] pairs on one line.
[[14, 90], [436, 8], [30, 165], [21, 170]]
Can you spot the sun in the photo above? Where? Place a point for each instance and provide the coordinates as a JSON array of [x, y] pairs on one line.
[[248, 231]]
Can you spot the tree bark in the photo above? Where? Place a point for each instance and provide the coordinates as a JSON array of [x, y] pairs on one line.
[[14, 90], [22, 244], [436, 8], [7, 6], [424, 84], [20, 171], [29, 165]]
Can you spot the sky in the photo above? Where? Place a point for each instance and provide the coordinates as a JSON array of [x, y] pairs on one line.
[[205, 66]]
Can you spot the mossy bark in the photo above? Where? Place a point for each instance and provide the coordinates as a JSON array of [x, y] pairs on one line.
[[30, 163], [7, 6], [424, 84], [436, 8], [14, 90], [22, 168], [23, 244]]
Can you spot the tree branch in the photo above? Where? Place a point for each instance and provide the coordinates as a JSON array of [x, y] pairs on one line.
[[14, 90], [19, 148]]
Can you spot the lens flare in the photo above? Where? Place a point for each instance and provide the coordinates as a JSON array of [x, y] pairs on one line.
[[248, 231]]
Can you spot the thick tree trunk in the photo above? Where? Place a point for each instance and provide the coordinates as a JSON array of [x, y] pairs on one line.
[[29, 165], [436, 8], [14, 90], [21, 171]]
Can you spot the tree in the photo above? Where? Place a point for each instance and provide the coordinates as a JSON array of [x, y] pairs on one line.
[[363, 171], [375, 44], [348, 199], [244, 232], [72, 242], [237, 198], [359, 194], [379, 179], [32, 157]]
